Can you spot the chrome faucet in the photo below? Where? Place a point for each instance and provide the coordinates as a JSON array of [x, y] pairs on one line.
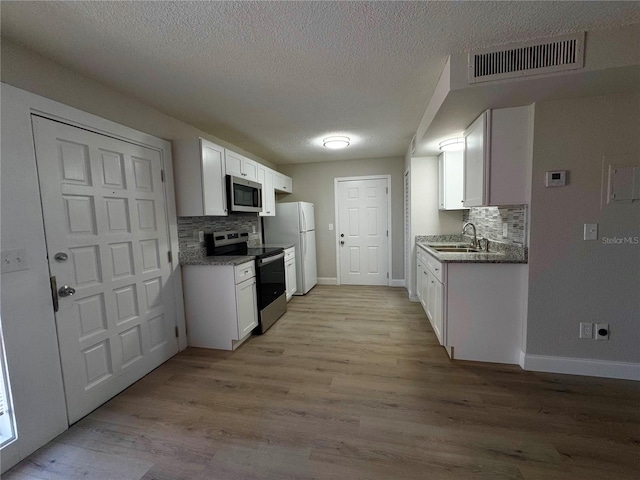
[[474, 243]]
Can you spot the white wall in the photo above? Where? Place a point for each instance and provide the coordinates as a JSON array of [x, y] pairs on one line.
[[27, 317], [426, 219], [27, 314], [314, 182], [571, 280], [29, 71]]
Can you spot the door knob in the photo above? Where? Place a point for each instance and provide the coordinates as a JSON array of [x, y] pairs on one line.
[[342, 234], [66, 291], [61, 257], [341, 242]]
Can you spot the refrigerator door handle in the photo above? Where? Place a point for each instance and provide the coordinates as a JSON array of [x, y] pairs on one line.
[[304, 220], [304, 246]]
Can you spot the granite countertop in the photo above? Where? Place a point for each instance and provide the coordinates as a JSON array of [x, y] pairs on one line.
[[198, 256], [277, 245], [217, 260], [498, 252]]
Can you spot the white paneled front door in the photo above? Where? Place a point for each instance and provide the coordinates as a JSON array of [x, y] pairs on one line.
[[362, 229], [106, 231]]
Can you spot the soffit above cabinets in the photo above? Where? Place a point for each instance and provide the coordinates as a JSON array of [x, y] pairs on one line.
[[611, 66]]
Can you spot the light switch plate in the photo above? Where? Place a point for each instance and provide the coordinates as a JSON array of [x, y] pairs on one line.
[[331, 226], [590, 231], [586, 330], [14, 260]]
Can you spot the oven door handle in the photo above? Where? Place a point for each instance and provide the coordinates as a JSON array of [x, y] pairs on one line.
[[274, 258]]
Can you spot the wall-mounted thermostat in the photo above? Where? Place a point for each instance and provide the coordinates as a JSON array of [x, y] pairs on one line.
[[556, 178]]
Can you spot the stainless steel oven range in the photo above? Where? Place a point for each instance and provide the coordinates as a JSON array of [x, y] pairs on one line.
[[270, 274]]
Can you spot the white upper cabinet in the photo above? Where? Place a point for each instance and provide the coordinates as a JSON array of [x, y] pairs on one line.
[[200, 178], [265, 177], [282, 183], [451, 181], [241, 166], [497, 158], [476, 162]]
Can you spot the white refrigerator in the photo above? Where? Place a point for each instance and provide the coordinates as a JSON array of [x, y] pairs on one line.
[[294, 224]]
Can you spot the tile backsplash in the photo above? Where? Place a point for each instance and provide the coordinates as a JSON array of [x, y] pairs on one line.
[[188, 228], [489, 222]]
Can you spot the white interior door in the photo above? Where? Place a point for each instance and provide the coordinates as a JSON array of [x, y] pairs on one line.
[[363, 236], [105, 222]]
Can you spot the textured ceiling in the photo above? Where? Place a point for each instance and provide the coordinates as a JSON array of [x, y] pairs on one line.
[[273, 77]]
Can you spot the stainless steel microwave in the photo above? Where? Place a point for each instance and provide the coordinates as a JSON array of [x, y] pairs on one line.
[[243, 195]]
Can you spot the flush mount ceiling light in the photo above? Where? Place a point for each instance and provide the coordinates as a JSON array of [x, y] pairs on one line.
[[452, 144], [336, 142]]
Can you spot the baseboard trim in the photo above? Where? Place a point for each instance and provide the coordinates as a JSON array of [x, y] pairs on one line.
[[413, 299], [580, 366], [396, 282]]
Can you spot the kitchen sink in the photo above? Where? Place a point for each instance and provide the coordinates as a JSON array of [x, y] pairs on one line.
[[455, 249]]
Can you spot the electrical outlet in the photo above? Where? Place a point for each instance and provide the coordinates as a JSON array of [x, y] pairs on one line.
[[201, 236], [586, 330], [505, 230], [590, 231], [602, 331], [14, 260]]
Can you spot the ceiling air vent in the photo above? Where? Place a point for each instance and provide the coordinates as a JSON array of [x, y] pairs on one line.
[[536, 57]]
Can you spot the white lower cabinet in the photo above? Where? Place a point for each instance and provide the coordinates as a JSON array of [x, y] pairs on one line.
[[476, 309], [420, 277], [221, 304], [435, 290], [290, 272], [430, 291]]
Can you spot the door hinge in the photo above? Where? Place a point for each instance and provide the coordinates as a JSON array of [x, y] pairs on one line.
[[387, 274], [170, 256], [387, 233], [387, 189], [162, 175], [177, 333]]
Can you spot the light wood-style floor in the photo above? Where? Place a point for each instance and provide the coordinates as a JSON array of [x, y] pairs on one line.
[[350, 384]]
